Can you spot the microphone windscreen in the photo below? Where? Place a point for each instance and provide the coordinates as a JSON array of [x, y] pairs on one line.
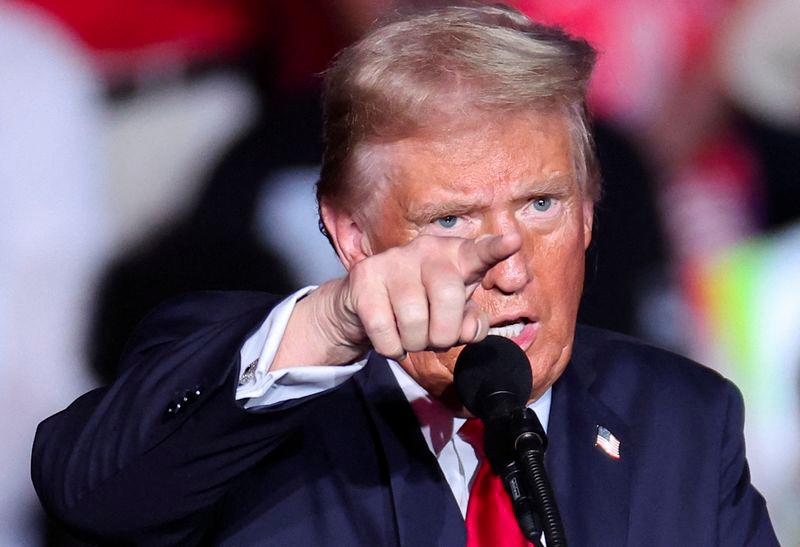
[[494, 365]]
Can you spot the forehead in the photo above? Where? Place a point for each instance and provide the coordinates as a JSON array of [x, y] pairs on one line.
[[505, 155]]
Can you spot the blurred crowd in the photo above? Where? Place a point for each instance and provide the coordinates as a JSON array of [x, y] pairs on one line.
[[151, 147]]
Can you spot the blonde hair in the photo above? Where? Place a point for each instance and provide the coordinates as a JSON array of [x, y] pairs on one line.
[[406, 75]]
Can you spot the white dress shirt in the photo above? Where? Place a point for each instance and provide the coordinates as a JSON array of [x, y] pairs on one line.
[[456, 457]]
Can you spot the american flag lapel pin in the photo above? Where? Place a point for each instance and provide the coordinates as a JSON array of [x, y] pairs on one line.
[[607, 442]]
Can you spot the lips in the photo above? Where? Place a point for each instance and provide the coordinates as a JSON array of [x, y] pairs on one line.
[[520, 331], [508, 331]]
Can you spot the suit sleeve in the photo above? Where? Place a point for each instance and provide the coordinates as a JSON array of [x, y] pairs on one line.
[[144, 460], [743, 512]]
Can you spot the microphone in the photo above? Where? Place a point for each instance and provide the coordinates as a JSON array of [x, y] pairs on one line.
[[493, 377], [493, 380]]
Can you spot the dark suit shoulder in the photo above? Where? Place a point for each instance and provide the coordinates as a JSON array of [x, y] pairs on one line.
[[633, 375], [187, 314], [681, 432], [208, 307]]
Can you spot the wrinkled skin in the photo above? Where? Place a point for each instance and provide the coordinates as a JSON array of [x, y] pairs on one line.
[[425, 275]]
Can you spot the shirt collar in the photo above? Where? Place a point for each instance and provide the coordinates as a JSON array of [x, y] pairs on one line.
[[436, 421]]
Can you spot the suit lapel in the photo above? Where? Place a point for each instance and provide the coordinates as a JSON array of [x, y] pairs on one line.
[[425, 511], [592, 488]]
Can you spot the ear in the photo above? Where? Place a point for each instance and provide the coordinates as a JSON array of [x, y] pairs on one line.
[[348, 236], [588, 221]]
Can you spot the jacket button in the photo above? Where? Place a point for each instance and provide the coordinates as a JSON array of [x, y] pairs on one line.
[[174, 408], [191, 395]]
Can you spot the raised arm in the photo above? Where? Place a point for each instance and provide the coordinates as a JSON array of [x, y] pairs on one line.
[[122, 464]]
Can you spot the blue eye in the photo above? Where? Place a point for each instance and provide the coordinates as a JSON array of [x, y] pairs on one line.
[[542, 204], [447, 222]]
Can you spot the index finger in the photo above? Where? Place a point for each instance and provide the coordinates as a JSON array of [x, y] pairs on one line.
[[477, 256]]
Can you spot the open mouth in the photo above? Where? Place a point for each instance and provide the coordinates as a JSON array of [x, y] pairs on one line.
[[509, 329], [520, 330]]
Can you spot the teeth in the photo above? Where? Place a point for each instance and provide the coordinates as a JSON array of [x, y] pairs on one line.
[[508, 331]]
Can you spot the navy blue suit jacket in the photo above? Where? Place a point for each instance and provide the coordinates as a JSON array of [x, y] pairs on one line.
[[350, 467]]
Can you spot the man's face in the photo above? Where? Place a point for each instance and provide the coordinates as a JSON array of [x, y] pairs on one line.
[[496, 176]]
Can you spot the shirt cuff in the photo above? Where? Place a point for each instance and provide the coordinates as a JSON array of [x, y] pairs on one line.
[[264, 388]]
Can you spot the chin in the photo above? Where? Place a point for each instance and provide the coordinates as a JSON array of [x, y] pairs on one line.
[[547, 371]]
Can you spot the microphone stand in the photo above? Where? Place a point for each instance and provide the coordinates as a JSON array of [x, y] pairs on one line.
[[501, 455], [530, 443], [493, 380]]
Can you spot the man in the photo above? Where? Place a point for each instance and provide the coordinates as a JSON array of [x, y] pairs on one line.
[[457, 188]]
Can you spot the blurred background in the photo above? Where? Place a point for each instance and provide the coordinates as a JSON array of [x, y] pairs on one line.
[[154, 147]]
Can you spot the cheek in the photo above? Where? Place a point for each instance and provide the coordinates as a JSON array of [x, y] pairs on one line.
[[558, 263]]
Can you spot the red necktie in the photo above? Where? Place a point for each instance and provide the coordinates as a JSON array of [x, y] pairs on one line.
[[490, 517]]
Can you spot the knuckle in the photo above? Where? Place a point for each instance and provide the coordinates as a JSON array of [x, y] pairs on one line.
[[426, 244], [415, 346], [451, 293], [444, 337], [394, 352], [360, 273], [392, 255], [423, 240], [390, 347], [439, 271], [377, 325], [412, 315], [471, 247]]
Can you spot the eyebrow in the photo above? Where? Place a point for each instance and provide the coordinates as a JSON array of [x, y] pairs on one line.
[[554, 186], [427, 212]]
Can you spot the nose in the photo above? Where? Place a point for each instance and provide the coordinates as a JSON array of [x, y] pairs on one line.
[[509, 276]]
